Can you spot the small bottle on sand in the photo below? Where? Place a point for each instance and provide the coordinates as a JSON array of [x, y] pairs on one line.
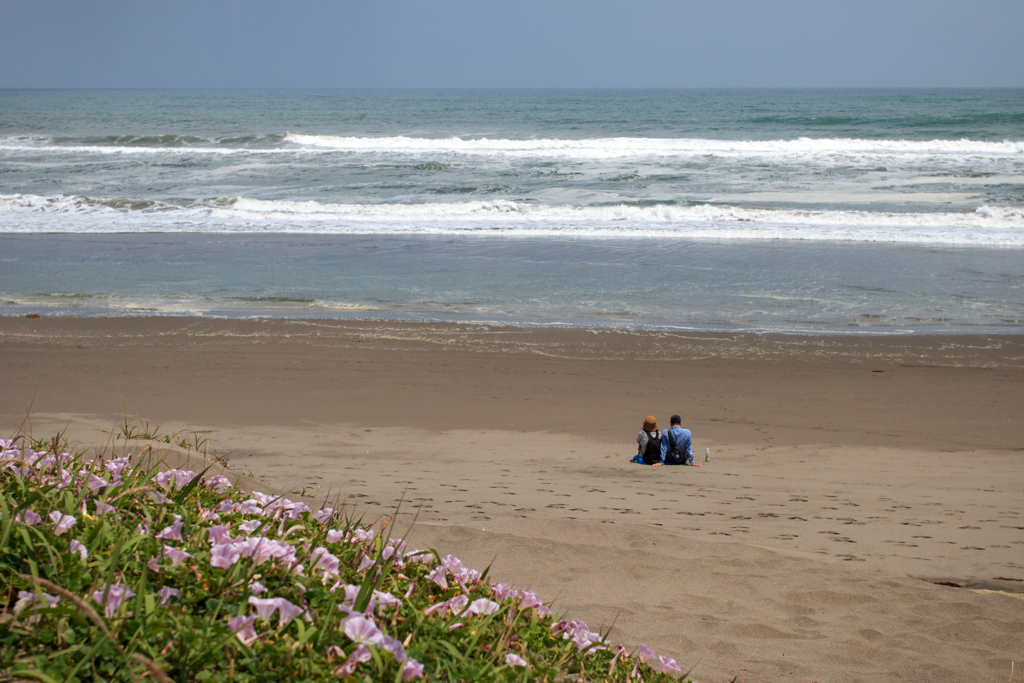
[[707, 455]]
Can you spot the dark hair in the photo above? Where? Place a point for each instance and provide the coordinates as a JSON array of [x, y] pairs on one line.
[[675, 420]]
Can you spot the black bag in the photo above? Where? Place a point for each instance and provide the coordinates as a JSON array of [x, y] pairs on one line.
[[652, 452], [675, 455]]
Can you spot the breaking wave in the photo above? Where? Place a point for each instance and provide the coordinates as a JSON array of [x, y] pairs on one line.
[[801, 149], [985, 226]]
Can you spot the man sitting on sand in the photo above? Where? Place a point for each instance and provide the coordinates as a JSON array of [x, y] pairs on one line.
[[676, 445]]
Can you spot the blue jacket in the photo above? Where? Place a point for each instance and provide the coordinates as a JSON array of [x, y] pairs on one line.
[[678, 437]]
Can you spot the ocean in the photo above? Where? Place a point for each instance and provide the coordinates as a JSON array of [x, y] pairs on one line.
[[825, 211]]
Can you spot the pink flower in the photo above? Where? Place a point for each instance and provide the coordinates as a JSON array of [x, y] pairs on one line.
[[351, 593], [256, 588], [265, 608], [455, 605], [669, 666], [115, 595], [286, 612], [208, 513], [459, 571], [249, 507], [529, 599], [394, 647], [159, 498], [365, 564], [97, 483], [219, 483], [646, 654], [174, 478], [63, 522], [324, 562], [262, 549], [439, 576], [362, 535], [177, 556], [28, 517], [385, 600], [421, 556], [321, 516], [224, 556], [172, 532], [411, 669], [580, 634], [31, 598], [77, 547], [219, 535], [102, 507], [335, 535], [359, 655], [455, 626], [154, 564], [143, 528], [118, 466], [362, 631], [243, 629], [503, 592], [250, 526], [166, 593], [483, 606], [26, 599], [515, 660]]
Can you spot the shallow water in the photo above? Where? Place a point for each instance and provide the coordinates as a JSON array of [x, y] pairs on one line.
[[637, 284]]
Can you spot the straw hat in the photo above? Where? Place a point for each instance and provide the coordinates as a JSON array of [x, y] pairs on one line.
[[650, 424]]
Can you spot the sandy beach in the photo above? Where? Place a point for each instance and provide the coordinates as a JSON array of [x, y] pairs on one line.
[[851, 478]]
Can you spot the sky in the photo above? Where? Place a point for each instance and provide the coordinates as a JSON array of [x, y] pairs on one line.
[[510, 44]]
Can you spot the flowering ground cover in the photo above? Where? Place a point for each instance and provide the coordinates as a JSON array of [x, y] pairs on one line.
[[112, 572]]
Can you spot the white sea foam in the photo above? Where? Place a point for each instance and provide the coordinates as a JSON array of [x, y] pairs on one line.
[[801, 149], [609, 148], [46, 147], [989, 226]]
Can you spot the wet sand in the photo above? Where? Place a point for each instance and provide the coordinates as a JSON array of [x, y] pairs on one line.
[[847, 474]]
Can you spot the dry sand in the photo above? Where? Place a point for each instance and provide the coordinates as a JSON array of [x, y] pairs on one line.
[[847, 474]]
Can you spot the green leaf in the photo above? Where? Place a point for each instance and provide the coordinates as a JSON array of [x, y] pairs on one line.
[[34, 674]]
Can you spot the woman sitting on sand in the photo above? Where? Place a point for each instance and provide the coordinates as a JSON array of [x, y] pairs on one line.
[[649, 439]]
